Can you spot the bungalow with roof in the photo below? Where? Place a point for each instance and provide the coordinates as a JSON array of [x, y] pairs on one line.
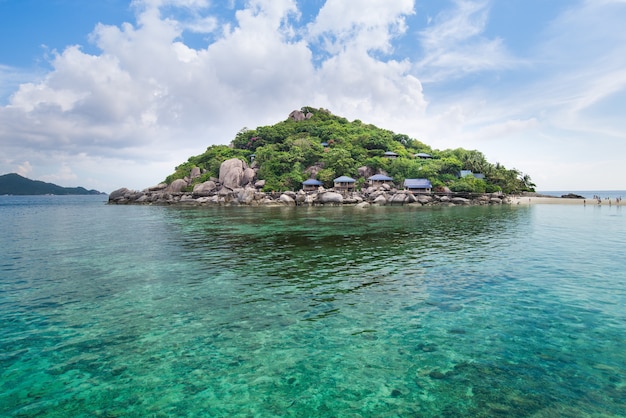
[[390, 154], [423, 155], [418, 185], [311, 185], [344, 184], [380, 179]]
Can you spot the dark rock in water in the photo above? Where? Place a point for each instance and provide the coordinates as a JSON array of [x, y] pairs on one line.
[[427, 348], [395, 393], [457, 331], [437, 375], [572, 196]]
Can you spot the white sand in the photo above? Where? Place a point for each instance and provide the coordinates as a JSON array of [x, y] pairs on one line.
[[532, 200]]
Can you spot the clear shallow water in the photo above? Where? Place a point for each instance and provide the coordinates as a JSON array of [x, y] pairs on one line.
[[156, 311]]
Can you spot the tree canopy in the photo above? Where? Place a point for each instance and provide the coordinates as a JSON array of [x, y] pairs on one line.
[[286, 152]]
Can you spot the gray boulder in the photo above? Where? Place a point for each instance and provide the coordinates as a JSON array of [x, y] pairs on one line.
[[330, 198], [297, 115], [176, 186], [460, 201], [246, 196], [248, 176], [118, 194], [287, 200], [204, 188], [398, 199], [195, 173], [232, 173], [380, 200]]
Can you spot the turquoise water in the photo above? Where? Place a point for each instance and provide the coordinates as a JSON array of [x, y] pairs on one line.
[[133, 311]]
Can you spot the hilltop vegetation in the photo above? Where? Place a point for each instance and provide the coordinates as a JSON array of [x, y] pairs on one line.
[[326, 146]]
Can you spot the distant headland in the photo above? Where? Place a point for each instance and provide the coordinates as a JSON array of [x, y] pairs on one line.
[[315, 157], [14, 184]]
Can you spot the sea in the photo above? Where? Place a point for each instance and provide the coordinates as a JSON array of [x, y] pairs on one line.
[[155, 311]]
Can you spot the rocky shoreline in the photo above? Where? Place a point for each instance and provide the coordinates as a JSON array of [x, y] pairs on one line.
[[238, 185], [250, 196]]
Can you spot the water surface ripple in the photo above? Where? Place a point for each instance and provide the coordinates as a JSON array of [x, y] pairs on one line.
[[156, 311]]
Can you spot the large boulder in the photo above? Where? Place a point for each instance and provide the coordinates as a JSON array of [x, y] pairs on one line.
[[204, 188], [380, 200], [297, 115], [232, 173], [330, 198], [287, 200], [118, 194], [195, 173], [246, 196], [398, 199], [248, 176], [176, 186], [460, 201]]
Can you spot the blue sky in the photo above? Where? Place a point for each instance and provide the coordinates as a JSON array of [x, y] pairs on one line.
[[116, 93]]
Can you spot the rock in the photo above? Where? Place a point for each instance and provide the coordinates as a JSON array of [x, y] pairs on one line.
[[495, 201], [176, 186], [118, 194], [203, 189], [157, 188], [246, 196], [424, 200], [460, 201], [363, 205], [259, 184], [195, 173], [572, 196], [380, 200], [248, 176], [330, 197], [232, 173], [398, 199], [291, 194], [286, 199], [297, 115], [365, 172]]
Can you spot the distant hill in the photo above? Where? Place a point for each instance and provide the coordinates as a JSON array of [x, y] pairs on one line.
[[15, 184]]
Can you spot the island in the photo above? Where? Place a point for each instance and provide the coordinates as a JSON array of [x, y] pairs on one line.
[[14, 184], [315, 157]]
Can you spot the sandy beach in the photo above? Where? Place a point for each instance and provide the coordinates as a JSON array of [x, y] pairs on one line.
[[532, 200]]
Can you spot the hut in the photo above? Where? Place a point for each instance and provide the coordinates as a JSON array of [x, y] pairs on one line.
[[379, 180], [311, 185], [423, 155], [418, 185], [390, 154], [344, 184]]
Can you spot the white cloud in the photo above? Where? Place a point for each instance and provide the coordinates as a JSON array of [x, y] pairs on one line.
[[146, 101], [24, 169], [455, 44], [368, 25]]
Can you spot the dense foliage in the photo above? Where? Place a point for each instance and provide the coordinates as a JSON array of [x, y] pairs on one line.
[[331, 146]]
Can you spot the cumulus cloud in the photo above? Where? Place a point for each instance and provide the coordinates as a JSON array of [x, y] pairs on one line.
[[147, 100]]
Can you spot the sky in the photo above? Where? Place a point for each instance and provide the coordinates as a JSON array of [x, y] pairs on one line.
[[116, 93]]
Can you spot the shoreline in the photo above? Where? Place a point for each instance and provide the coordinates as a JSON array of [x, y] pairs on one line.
[[553, 200]]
